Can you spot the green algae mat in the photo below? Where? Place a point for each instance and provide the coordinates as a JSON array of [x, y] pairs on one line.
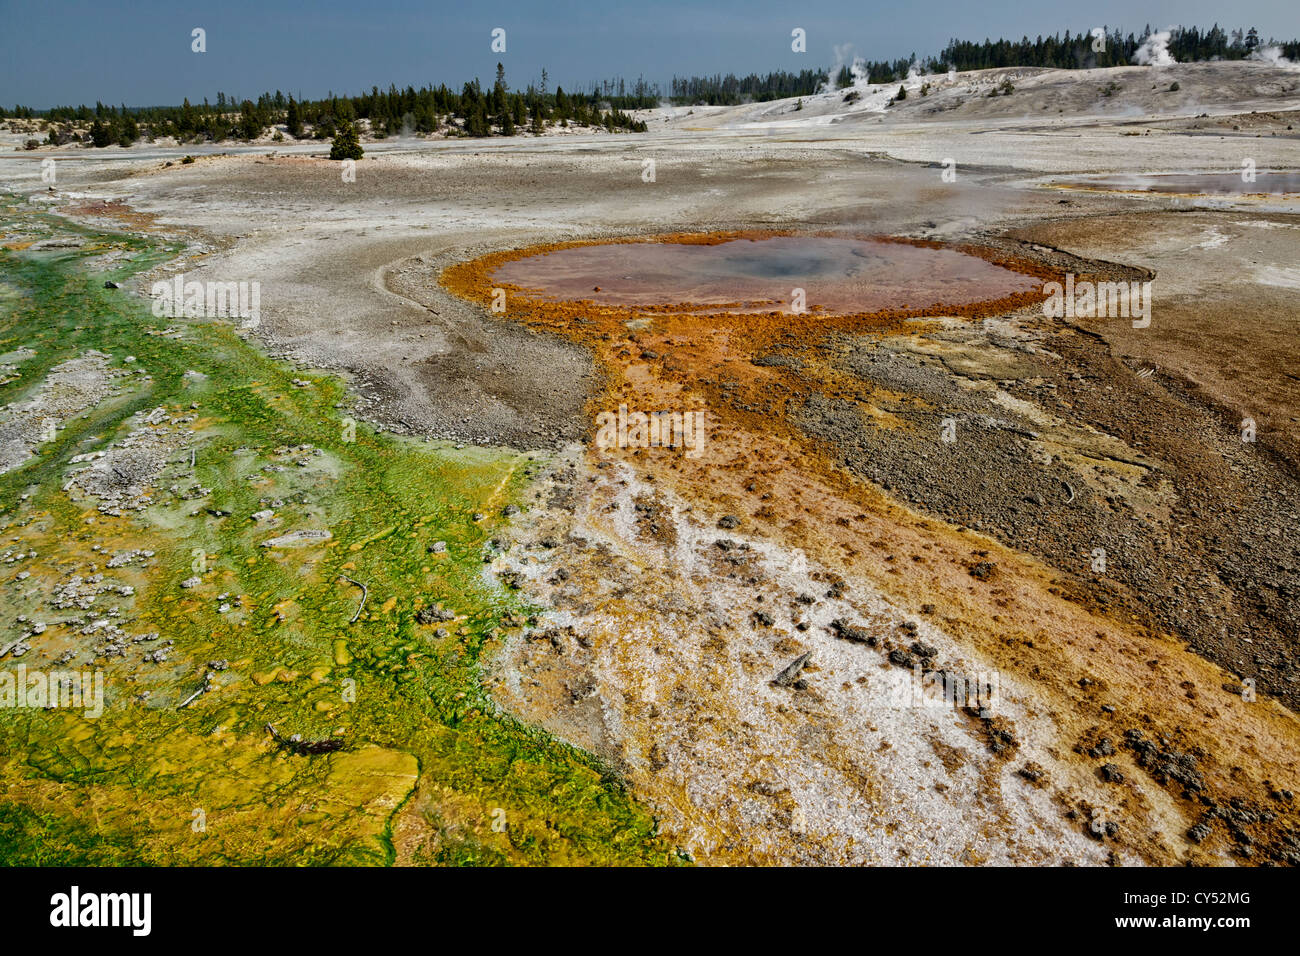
[[285, 611]]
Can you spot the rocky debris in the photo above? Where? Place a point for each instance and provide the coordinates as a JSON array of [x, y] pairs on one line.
[[265, 514], [434, 614], [297, 539], [161, 655], [1111, 773], [853, 633], [926, 652], [191, 493], [1034, 773], [1164, 763], [998, 732], [1198, 833], [727, 522], [123, 558], [837, 589], [81, 592], [734, 553], [1233, 602], [982, 570], [122, 475], [17, 648], [1100, 829], [438, 547], [789, 677], [68, 389], [192, 582], [1276, 793], [555, 637], [900, 658], [1104, 748]]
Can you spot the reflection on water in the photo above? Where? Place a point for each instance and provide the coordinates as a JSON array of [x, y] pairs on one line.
[[837, 275], [1210, 184]]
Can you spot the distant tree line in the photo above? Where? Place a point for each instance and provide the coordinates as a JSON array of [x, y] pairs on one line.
[[718, 90], [479, 112], [1069, 52], [501, 111], [1186, 45]]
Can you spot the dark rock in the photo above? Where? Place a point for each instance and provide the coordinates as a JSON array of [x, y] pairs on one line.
[[850, 632], [901, 658], [1032, 772], [790, 676], [434, 614], [1104, 748]]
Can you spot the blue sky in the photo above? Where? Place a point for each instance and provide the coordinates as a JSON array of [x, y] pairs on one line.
[[74, 51]]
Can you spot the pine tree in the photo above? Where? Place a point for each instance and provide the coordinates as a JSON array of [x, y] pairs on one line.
[[293, 119], [250, 126], [128, 130], [347, 144], [499, 91], [101, 134], [476, 123], [187, 125]]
